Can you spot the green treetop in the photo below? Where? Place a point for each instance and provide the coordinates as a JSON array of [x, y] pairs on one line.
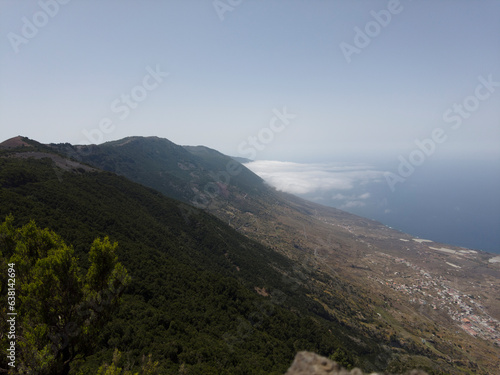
[[60, 309]]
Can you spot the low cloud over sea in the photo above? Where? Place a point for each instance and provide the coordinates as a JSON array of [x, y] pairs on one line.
[[454, 202]]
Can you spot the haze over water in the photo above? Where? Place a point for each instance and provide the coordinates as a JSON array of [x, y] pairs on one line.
[[454, 202], [450, 201]]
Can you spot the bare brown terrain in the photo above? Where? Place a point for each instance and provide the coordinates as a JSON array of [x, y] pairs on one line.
[[14, 143]]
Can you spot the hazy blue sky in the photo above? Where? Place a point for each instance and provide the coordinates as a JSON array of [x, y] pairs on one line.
[[234, 65]]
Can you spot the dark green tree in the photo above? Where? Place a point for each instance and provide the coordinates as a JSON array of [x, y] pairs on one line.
[[148, 367], [344, 358], [60, 309]]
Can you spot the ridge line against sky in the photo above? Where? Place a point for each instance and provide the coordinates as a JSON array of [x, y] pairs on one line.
[[361, 78]]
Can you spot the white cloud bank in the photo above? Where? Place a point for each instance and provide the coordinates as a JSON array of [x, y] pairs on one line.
[[298, 178]]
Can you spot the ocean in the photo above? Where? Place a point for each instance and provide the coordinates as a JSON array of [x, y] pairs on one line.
[[453, 202]]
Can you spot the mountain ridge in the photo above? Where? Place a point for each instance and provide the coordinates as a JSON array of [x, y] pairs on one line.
[[352, 252], [202, 295]]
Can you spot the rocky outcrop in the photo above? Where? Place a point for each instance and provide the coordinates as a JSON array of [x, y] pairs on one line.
[[306, 363]]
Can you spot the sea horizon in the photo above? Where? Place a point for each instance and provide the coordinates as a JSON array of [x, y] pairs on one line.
[[455, 202]]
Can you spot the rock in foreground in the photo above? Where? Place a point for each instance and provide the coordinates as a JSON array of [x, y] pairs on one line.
[[307, 363]]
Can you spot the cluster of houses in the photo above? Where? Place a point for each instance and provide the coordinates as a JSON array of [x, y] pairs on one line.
[[435, 291]]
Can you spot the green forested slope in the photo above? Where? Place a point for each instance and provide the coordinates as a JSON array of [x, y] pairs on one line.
[[190, 174], [192, 302]]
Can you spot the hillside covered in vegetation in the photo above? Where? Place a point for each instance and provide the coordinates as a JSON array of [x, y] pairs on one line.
[[202, 297]]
